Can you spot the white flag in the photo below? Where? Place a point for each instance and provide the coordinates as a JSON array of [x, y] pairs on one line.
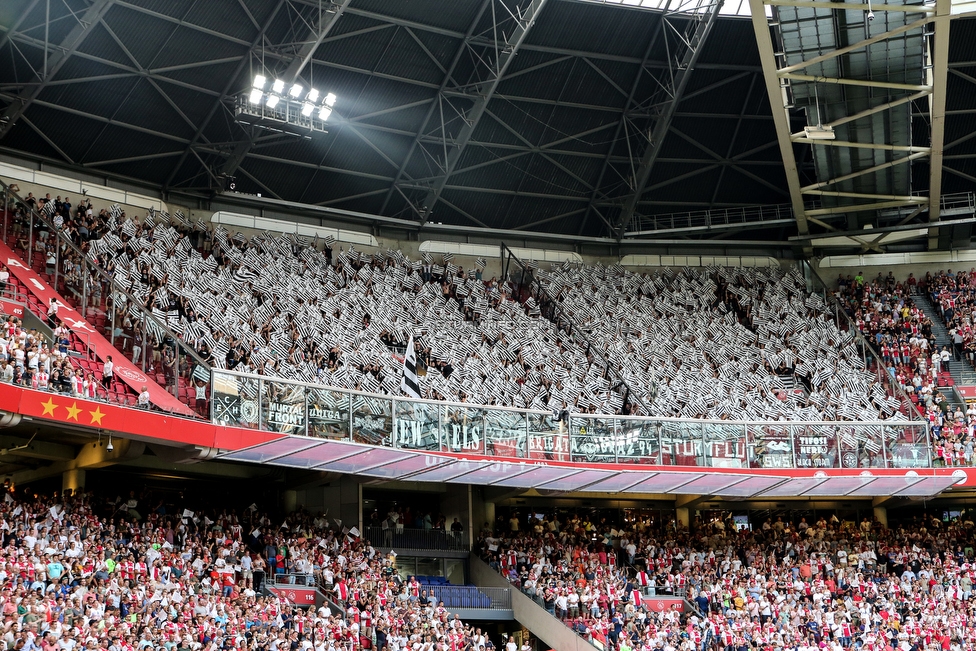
[[410, 384]]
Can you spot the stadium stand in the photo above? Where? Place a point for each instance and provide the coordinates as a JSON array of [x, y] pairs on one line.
[[340, 318], [794, 585], [82, 571]]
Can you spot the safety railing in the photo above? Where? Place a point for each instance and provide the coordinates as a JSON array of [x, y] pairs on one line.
[[469, 596], [98, 288], [869, 354], [289, 407], [413, 538], [712, 218], [295, 580]]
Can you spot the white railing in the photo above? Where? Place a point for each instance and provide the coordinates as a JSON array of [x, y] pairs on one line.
[[297, 408]]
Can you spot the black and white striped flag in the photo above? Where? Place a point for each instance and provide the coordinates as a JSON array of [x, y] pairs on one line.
[[410, 384]]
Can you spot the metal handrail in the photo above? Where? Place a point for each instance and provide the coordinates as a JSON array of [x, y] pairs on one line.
[[145, 314], [574, 330], [414, 538], [865, 343], [541, 412]]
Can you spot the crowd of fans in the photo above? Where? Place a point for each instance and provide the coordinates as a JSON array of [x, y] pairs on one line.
[[28, 358], [800, 585], [886, 313], [746, 343], [79, 571], [717, 343]]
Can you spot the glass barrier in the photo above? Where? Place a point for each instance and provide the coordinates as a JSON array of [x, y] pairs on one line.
[[418, 425], [328, 413], [287, 407]]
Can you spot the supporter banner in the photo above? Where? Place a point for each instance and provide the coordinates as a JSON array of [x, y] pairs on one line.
[[372, 420], [283, 408], [463, 430], [11, 309], [417, 425], [549, 437], [328, 414], [124, 369]]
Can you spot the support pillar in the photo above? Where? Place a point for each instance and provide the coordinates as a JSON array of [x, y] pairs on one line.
[[73, 479], [683, 505], [289, 501], [681, 514], [351, 502], [881, 513], [457, 503]]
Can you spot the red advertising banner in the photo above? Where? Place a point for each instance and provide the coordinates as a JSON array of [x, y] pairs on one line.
[[661, 604], [967, 391], [124, 369], [299, 596], [11, 309], [139, 423]]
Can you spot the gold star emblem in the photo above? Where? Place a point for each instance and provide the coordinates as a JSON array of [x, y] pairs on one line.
[[73, 411], [49, 407], [96, 416]]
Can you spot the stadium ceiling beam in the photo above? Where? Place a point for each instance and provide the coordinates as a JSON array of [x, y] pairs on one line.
[[128, 71], [727, 162], [231, 80], [53, 63], [183, 23], [99, 118], [621, 124], [327, 20], [938, 75], [16, 24], [781, 117], [435, 103], [674, 87], [494, 60]]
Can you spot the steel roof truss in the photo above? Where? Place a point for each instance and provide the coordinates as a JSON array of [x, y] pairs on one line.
[[53, 63], [511, 21], [684, 47]]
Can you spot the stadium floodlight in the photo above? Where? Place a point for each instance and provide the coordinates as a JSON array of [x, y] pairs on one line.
[[271, 102]]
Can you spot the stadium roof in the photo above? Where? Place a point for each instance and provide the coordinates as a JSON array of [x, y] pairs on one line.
[[145, 89]]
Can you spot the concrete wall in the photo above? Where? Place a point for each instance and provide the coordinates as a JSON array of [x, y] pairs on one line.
[[41, 182], [528, 613]]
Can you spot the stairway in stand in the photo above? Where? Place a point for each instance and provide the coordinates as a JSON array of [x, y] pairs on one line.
[[960, 372], [85, 354]]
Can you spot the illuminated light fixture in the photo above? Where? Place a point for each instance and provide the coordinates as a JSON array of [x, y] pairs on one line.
[[296, 91], [330, 99], [259, 82], [313, 96], [256, 96], [273, 101], [307, 109], [324, 113], [278, 86]]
